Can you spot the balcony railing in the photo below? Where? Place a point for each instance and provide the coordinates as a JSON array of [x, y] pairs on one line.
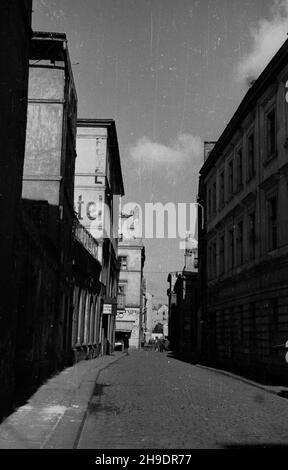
[[85, 238]]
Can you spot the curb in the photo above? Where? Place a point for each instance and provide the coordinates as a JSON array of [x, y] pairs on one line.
[[67, 433], [275, 391], [76, 442]]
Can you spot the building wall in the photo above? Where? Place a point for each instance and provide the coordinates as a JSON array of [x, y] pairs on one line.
[[173, 321], [244, 247], [129, 315], [148, 316], [15, 33], [98, 185], [159, 315], [37, 352], [183, 313]]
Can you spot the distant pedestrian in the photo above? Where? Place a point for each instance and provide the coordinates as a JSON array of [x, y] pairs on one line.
[[161, 344], [126, 343], [156, 344]]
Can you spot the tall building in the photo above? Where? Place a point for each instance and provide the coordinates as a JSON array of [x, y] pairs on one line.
[[130, 306], [98, 187], [243, 243], [48, 185]]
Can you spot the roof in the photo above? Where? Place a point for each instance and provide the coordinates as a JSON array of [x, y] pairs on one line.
[[46, 45], [112, 134], [265, 79]]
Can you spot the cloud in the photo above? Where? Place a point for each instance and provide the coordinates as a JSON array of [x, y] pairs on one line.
[[267, 37], [185, 148], [49, 8]]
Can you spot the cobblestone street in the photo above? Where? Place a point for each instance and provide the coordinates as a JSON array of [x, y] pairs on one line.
[[150, 400]]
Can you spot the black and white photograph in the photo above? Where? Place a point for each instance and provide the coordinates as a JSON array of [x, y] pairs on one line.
[[144, 228]]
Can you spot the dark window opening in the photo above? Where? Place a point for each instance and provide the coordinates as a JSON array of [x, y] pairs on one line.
[[240, 243], [239, 173], [222, 190], [252, 236], [123, 262], [222, 254], [272, 221], [231, 248], [251, 156], [271, 133], [230, 178]]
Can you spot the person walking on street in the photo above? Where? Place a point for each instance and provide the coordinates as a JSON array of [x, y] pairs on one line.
[[126, 343], [156, 344]]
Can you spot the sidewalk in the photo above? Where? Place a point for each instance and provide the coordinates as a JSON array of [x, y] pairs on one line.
[[54, 415]]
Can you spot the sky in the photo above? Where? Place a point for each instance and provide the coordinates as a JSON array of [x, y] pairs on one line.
[[172, 74]]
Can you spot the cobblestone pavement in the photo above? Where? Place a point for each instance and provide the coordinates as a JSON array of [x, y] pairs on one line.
[[149, 400]]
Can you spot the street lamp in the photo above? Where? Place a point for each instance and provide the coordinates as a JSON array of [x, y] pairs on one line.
[[202, 214]]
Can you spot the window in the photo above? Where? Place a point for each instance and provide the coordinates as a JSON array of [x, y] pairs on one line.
[[121, 297], [230, 178], [231, 333], [251, 236], [239, 173], [251, 156], [274, 323], [221, 316], [209, 261], [221, 189], [222, 254], [272, 223], [253, 323], [123, 262], [209, 202], [241, 324], [231, 248], [214, 198], [271, 133], [212, 259], [240, 243]]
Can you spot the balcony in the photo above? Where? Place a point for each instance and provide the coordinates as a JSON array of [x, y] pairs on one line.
[[85, 238]]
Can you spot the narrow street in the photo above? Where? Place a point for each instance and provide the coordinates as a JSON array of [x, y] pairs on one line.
[[150, 400]]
